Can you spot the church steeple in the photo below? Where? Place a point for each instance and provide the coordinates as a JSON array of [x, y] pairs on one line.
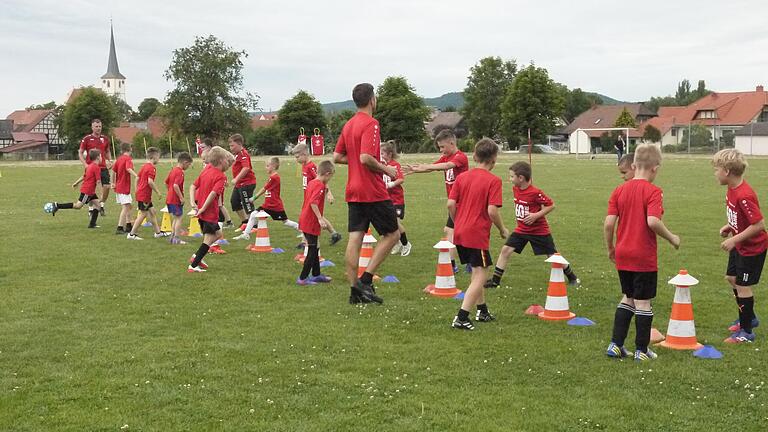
[[113, 82]]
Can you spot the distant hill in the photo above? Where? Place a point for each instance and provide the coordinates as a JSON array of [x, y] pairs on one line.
[[607, 100]]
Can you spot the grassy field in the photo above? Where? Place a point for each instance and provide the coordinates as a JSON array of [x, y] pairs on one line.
[[101, 333]]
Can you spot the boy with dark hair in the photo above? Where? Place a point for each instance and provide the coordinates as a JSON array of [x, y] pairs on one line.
[[532, 206], [243, 178], [87, 189], [312, 222], [144, 188], [123, 170], [747, 243], [625, 167], [637, 207], [308, 173], [396, 194], [474, 204], [174, 200]]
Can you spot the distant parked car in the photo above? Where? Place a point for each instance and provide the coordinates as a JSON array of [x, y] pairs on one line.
[[537, 148]]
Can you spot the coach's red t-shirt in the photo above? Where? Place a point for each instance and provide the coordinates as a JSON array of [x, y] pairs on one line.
[[176, 176], [633, 201], [91, 176], [243, 160], [122, 176], [308, 222], [527, 201], [743, 210], [360, 135], [473, 192], [461, 163], [100, 142], [272, 199], [143, 189], [210, 180], [396, 193]]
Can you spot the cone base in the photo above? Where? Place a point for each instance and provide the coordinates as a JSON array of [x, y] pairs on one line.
[[441, 292], [260, 249], [681, 347], [656, 336], [547, 317]]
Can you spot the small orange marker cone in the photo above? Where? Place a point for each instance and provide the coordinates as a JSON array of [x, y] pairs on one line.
[[445, 282], [262, 235], [681, 333], [366, 252], [556, 307]]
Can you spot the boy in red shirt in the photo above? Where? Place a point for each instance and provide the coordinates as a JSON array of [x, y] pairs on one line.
[[174, 200], [87, 189], [144, 187], [123, 170], [243, 178], [312, 222], [474, 204], [396, 194], [747, 243], [308, 173], [626, 170], [208, 187], [637, 207], [532, 206]]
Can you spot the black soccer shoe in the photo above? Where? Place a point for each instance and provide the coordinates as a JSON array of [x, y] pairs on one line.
[[366, 293], [484, 316], [490, 283]]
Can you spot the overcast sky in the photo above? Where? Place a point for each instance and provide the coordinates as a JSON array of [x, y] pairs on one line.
[[626, 50]]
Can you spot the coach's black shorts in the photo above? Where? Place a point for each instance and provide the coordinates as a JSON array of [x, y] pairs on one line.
[[541, 244], [145, 206], [746, 269], [105, 177], [474, 257], [380, 214], [399, 211], [638, 285], [275, 214], [449, 222], [85, 198], [240, 199], [208, 227]]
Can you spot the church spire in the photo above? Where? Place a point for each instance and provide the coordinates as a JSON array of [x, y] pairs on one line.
[[113, 70]]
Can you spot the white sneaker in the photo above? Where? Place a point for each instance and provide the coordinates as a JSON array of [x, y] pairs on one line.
[[396, 248], [191, 269], [161, 234], [133, 237], [243, 236], [406, 249]]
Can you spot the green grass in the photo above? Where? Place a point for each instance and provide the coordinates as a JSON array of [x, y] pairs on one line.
[[97, 332]]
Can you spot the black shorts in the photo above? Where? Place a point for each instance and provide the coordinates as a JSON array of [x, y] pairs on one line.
[[638, 285], [240, 199], [275, 214], [399, 211], [105, 177], [474, 257], [380, 214], [208, 227], [145, 206], [541, 244], [85, 198], [449, 222], [746, 269]]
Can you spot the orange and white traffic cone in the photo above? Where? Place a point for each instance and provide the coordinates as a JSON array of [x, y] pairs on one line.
[[262, 234], [681, 333], [445, 282], [366, 252], [556, 308]]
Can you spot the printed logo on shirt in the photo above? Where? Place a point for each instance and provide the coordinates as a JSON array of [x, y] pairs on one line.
[[449, 176], [521, 211], [733, 219]]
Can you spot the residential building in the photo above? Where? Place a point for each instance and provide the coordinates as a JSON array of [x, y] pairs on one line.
[[584, 134], [752, 139]]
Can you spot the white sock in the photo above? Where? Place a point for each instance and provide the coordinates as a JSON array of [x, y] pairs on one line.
[[291, 224], [251, 222]]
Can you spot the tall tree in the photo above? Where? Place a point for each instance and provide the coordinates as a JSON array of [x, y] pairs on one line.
[[683, 91], [76, 119], [625, 119], [534, 102], [302, 110], [486, 85], [651, 134], [267, 141], [146, 108], [208, 98], [124, 111], [577, 101], [335, 121], [48, 105], [401, 112]]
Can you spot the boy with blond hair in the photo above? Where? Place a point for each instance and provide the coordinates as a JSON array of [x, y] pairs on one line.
[[174, 200], [747, 243], [637, 207], [312, 222]]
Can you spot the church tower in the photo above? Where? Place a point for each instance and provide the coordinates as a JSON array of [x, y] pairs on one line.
[[113, 82]]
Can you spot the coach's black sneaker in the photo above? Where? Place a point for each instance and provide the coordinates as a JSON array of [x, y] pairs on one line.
[[490, 283], [366, 293], [335, 238], [120, 231], [484, 316], [462, 325]]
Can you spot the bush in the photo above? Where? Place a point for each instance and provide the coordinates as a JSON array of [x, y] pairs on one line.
[[467, 145], [266, 141], [669, 148]]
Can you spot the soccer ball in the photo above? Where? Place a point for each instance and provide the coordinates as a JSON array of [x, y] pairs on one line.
[[48, 207]]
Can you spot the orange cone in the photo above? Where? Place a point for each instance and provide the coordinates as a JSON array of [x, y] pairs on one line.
[[300, 257], [445, 282], [681, 333], [366, 252], [556, 307], [262, 235]]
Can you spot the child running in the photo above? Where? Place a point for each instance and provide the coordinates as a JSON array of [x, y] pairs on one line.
[[174, 200], [312, 222], [87, 190], [396, 194], [144, 188]]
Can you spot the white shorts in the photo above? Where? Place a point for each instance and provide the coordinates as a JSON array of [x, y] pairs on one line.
[[124, 199]]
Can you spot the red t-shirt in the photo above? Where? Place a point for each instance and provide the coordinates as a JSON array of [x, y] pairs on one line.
[[122, 176], [308, 173], [143, 189], [527, 201], [633, 201], [473, 193], [462, 165], [318, 145], [360, 135], [743, 210], [396, 193], [91, 176], [100, 142], [210, 180], [308, 222], [243, 160], [176, 176], [272, 199]]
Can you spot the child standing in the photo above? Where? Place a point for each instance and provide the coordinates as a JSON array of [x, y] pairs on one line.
[[308, 173], [175, 198], [474, 204], [312, 222], [87, 189], [123, 170], [532, 206], [637, 207], [144, 188], [747, 243], [626, 170], [396, 194]]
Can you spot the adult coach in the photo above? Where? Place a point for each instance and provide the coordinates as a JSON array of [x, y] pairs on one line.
[[359, 147], [95, 140], [243, 178]]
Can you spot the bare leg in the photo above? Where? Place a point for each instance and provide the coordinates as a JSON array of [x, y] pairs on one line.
[[475, 294], [352, 255], [382, 250]]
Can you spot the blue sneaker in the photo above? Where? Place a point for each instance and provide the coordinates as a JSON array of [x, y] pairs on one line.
[[616, 351], [305, 282], [320, 279], [736, 325], [645, 356], [455, 269], [740, 337], [468, 268]]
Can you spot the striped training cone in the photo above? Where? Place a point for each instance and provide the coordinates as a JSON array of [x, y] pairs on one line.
[[556, 307], [194, 227], [262, 234], [681, 333], [366, 252], [445, 282]]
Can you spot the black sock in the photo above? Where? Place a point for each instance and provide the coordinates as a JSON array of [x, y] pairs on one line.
[[463, 315], [403, 239], [621, 321], [568, 271], [64, 205], [483, 308], [746, 312], [94, 216], [643, 321], [128, 227], [200, 254], [120, 228], [453, 263], [497, 274], [366, 278]]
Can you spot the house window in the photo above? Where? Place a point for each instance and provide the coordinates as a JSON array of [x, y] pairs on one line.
[[107, 84], [763, 115], [674, 131], [707, 114]]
